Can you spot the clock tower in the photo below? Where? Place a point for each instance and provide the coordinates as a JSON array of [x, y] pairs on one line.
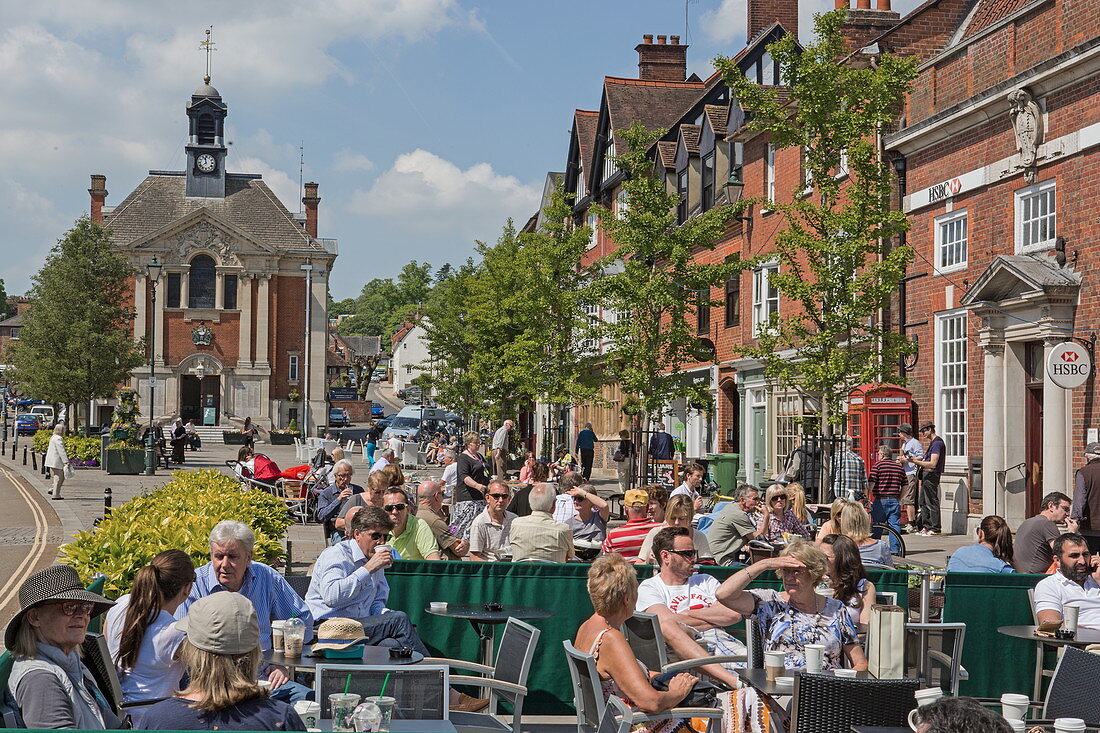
[[206, 143]]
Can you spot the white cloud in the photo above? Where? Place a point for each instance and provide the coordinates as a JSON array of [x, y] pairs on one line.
[[725, 23], [346, 159], [284, 186], [427, 193]]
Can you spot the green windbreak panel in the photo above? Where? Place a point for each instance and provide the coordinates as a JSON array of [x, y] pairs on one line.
[[985, 601], [558, 588]]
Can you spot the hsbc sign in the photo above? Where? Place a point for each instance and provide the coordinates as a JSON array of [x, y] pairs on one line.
[[1069, 365], [944, 190]]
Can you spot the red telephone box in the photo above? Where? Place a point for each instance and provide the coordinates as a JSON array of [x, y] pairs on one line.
[[874, 413]]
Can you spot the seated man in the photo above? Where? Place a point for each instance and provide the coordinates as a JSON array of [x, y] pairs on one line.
[[1034, 537], [490, 531], [627, 540], [332, 497], [734, 526], [231, 568], [692, 620], [1076, 581], [384, 459], [590, 523], [377, 483], [538, 536], [429, 509], [411, 538], [349, 581]]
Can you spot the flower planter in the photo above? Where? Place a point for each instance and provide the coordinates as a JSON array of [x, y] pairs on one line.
[[284, 438], [233, 438], [125, 461]]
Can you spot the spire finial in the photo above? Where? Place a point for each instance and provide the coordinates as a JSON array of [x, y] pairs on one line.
[[208, 47]]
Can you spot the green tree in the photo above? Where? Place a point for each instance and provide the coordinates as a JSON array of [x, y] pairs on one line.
[[654, 283], [383, 304], [77, 340], [838, 266], [7, 310]]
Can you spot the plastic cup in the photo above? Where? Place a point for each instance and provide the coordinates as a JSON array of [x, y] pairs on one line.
[[385, 705], [367, 718], [1013, 706], [277, 636], [815, 657], [309, 711], [1070, 611], [1069, 725], [774, 664], [293, 639], [342, 705]]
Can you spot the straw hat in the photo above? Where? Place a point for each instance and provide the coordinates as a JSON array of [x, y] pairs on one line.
[[55, 583], [339, 633]]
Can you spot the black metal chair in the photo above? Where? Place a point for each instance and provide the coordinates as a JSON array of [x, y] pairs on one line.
[[828, 704], [300, 583], [754, 642], [942, 645]]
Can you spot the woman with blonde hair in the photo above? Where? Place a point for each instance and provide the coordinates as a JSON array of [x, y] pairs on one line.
[[796, 497], [830, 525], [678, 513], [854, 522], [57, 460], [222, 655], [777, 518]]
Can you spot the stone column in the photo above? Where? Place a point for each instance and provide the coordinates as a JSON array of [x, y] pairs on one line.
[[158, 322], [219, 290], [993, 430], [263, 327], [1056, 444], [141, 325], [317, 347], [185, 288], [244, 301]]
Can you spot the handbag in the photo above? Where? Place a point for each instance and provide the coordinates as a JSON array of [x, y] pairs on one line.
[[618, 457], [886, 642], [703, 694]]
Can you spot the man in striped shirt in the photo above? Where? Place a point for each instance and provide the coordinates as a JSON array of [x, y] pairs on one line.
[[887, 480], [627, 540]]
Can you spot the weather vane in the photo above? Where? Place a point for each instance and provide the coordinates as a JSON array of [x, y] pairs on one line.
[[208, 46]]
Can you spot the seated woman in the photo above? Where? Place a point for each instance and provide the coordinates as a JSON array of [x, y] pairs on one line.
[[797, 615], [830, 525], [613, 588], [141, 634], [678, 513], [796, 497], [992, 554], [848, 578], [51, 686], [777, 518], [854, 522], [246, 461], [222, 654]]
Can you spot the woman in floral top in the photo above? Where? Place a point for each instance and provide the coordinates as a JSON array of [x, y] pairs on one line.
[[797, 616], [778, 518]]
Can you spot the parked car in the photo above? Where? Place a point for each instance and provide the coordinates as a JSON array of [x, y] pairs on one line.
[[379, 375], [400, 394], [28, 423], [385, 422], [46, 412], [376, 410], [338, 418], [412, 420]]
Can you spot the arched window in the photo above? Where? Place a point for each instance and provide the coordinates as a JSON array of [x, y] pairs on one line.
[[201, 282]]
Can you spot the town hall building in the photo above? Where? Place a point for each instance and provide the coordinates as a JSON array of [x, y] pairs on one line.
[[239, 277]]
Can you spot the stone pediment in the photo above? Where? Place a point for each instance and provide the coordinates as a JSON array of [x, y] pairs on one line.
[[202, 231], [1012, 277]]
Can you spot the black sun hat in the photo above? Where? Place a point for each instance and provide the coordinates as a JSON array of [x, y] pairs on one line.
[[55, 583]]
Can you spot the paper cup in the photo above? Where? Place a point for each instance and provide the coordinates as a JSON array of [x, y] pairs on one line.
[[264, 684], [309, 711], [438, 605], [1017, 726], [277, 636], [849, 673], [1068, 725], [815, 657], [927, 695], [1070, 612], [784, 684], [774, 664], [1013, 706]]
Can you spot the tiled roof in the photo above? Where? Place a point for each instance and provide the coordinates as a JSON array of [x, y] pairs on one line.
[[717, 114], [690, 133], [585, 122], [989, 12], [667, 151], [16, 320], [335, 358], [655, 104], [249, 204]]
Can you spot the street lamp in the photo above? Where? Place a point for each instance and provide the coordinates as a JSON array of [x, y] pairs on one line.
[[153, 270]]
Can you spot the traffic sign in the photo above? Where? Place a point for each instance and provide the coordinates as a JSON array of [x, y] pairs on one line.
[[1069, 365]]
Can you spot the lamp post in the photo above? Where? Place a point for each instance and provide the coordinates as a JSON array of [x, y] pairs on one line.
[[153, 270]]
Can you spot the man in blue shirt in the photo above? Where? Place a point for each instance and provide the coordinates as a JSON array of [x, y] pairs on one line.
[[586, 446], [910, 447], [333, 496], [231, 568], [932, 466]]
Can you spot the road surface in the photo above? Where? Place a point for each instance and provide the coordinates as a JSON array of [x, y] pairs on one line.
[[30, 533]]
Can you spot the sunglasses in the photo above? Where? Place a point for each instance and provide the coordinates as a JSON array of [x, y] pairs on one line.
[[578, 499], [685, 553], [75, 608], [779, 498], [499, 496], [395, 507], [376, 536]]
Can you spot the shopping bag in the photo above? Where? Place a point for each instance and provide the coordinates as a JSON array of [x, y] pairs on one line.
[[69, 472], [886, 642]]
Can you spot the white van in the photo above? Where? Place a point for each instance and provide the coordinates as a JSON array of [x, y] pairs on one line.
[[46, 415], [413, 419]]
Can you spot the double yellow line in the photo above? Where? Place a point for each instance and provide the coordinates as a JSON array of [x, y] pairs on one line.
[[10, 588]]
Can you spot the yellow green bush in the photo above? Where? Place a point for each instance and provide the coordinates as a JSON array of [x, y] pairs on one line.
[[178, 515], [77, 447]]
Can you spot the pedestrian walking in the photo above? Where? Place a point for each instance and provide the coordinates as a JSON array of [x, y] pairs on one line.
[[931, 469], [57, 460], [660, 444], [179, 441], [500, 450], [887, 480], [586, 447], [624, 460]]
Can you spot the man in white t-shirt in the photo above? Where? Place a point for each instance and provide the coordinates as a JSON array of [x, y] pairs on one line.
[[450, 473], [693, 479], [1076, 582], [692, 620]]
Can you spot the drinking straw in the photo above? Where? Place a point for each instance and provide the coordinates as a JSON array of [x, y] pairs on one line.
[[384, 683], [347, 685]]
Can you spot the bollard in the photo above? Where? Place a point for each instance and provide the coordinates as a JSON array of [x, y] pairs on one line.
[[107, 502], [289, 552], [24, 455], [45, 471], [34, 461], [13, 444]]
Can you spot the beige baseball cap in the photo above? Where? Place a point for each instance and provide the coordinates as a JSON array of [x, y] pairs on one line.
[[222, 623]]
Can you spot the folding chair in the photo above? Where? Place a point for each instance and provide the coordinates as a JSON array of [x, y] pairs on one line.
[[647, 641]]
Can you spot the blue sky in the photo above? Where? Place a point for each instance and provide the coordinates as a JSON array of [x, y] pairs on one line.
[[427, 123]]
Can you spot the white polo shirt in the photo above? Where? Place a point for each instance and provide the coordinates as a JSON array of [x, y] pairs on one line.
[[1056, 590]]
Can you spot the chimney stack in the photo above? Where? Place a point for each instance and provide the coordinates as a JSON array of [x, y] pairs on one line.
[[98, 192], [661, 61], [311, 199], [763, 13]]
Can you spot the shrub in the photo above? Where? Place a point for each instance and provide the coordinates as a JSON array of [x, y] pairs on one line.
[[178, 515], [79, 449]]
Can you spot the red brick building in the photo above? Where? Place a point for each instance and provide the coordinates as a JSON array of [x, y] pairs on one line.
[[239, 274]]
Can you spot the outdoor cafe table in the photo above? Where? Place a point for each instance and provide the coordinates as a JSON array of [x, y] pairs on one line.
[[758, 680], [1084, 638], [406, 726], [483, 621], [375, 655]]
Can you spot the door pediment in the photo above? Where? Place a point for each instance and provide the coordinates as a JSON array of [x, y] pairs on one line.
[[1022, 277]]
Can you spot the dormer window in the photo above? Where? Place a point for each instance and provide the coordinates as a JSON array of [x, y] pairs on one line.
[[204, 129], [708, 181], [682, 191], [608, 160]]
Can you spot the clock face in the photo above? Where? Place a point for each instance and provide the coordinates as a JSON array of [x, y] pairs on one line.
[[206, 163]]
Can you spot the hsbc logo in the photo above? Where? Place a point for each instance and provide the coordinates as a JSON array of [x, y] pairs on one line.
[[944, 190], [1069, 365]]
